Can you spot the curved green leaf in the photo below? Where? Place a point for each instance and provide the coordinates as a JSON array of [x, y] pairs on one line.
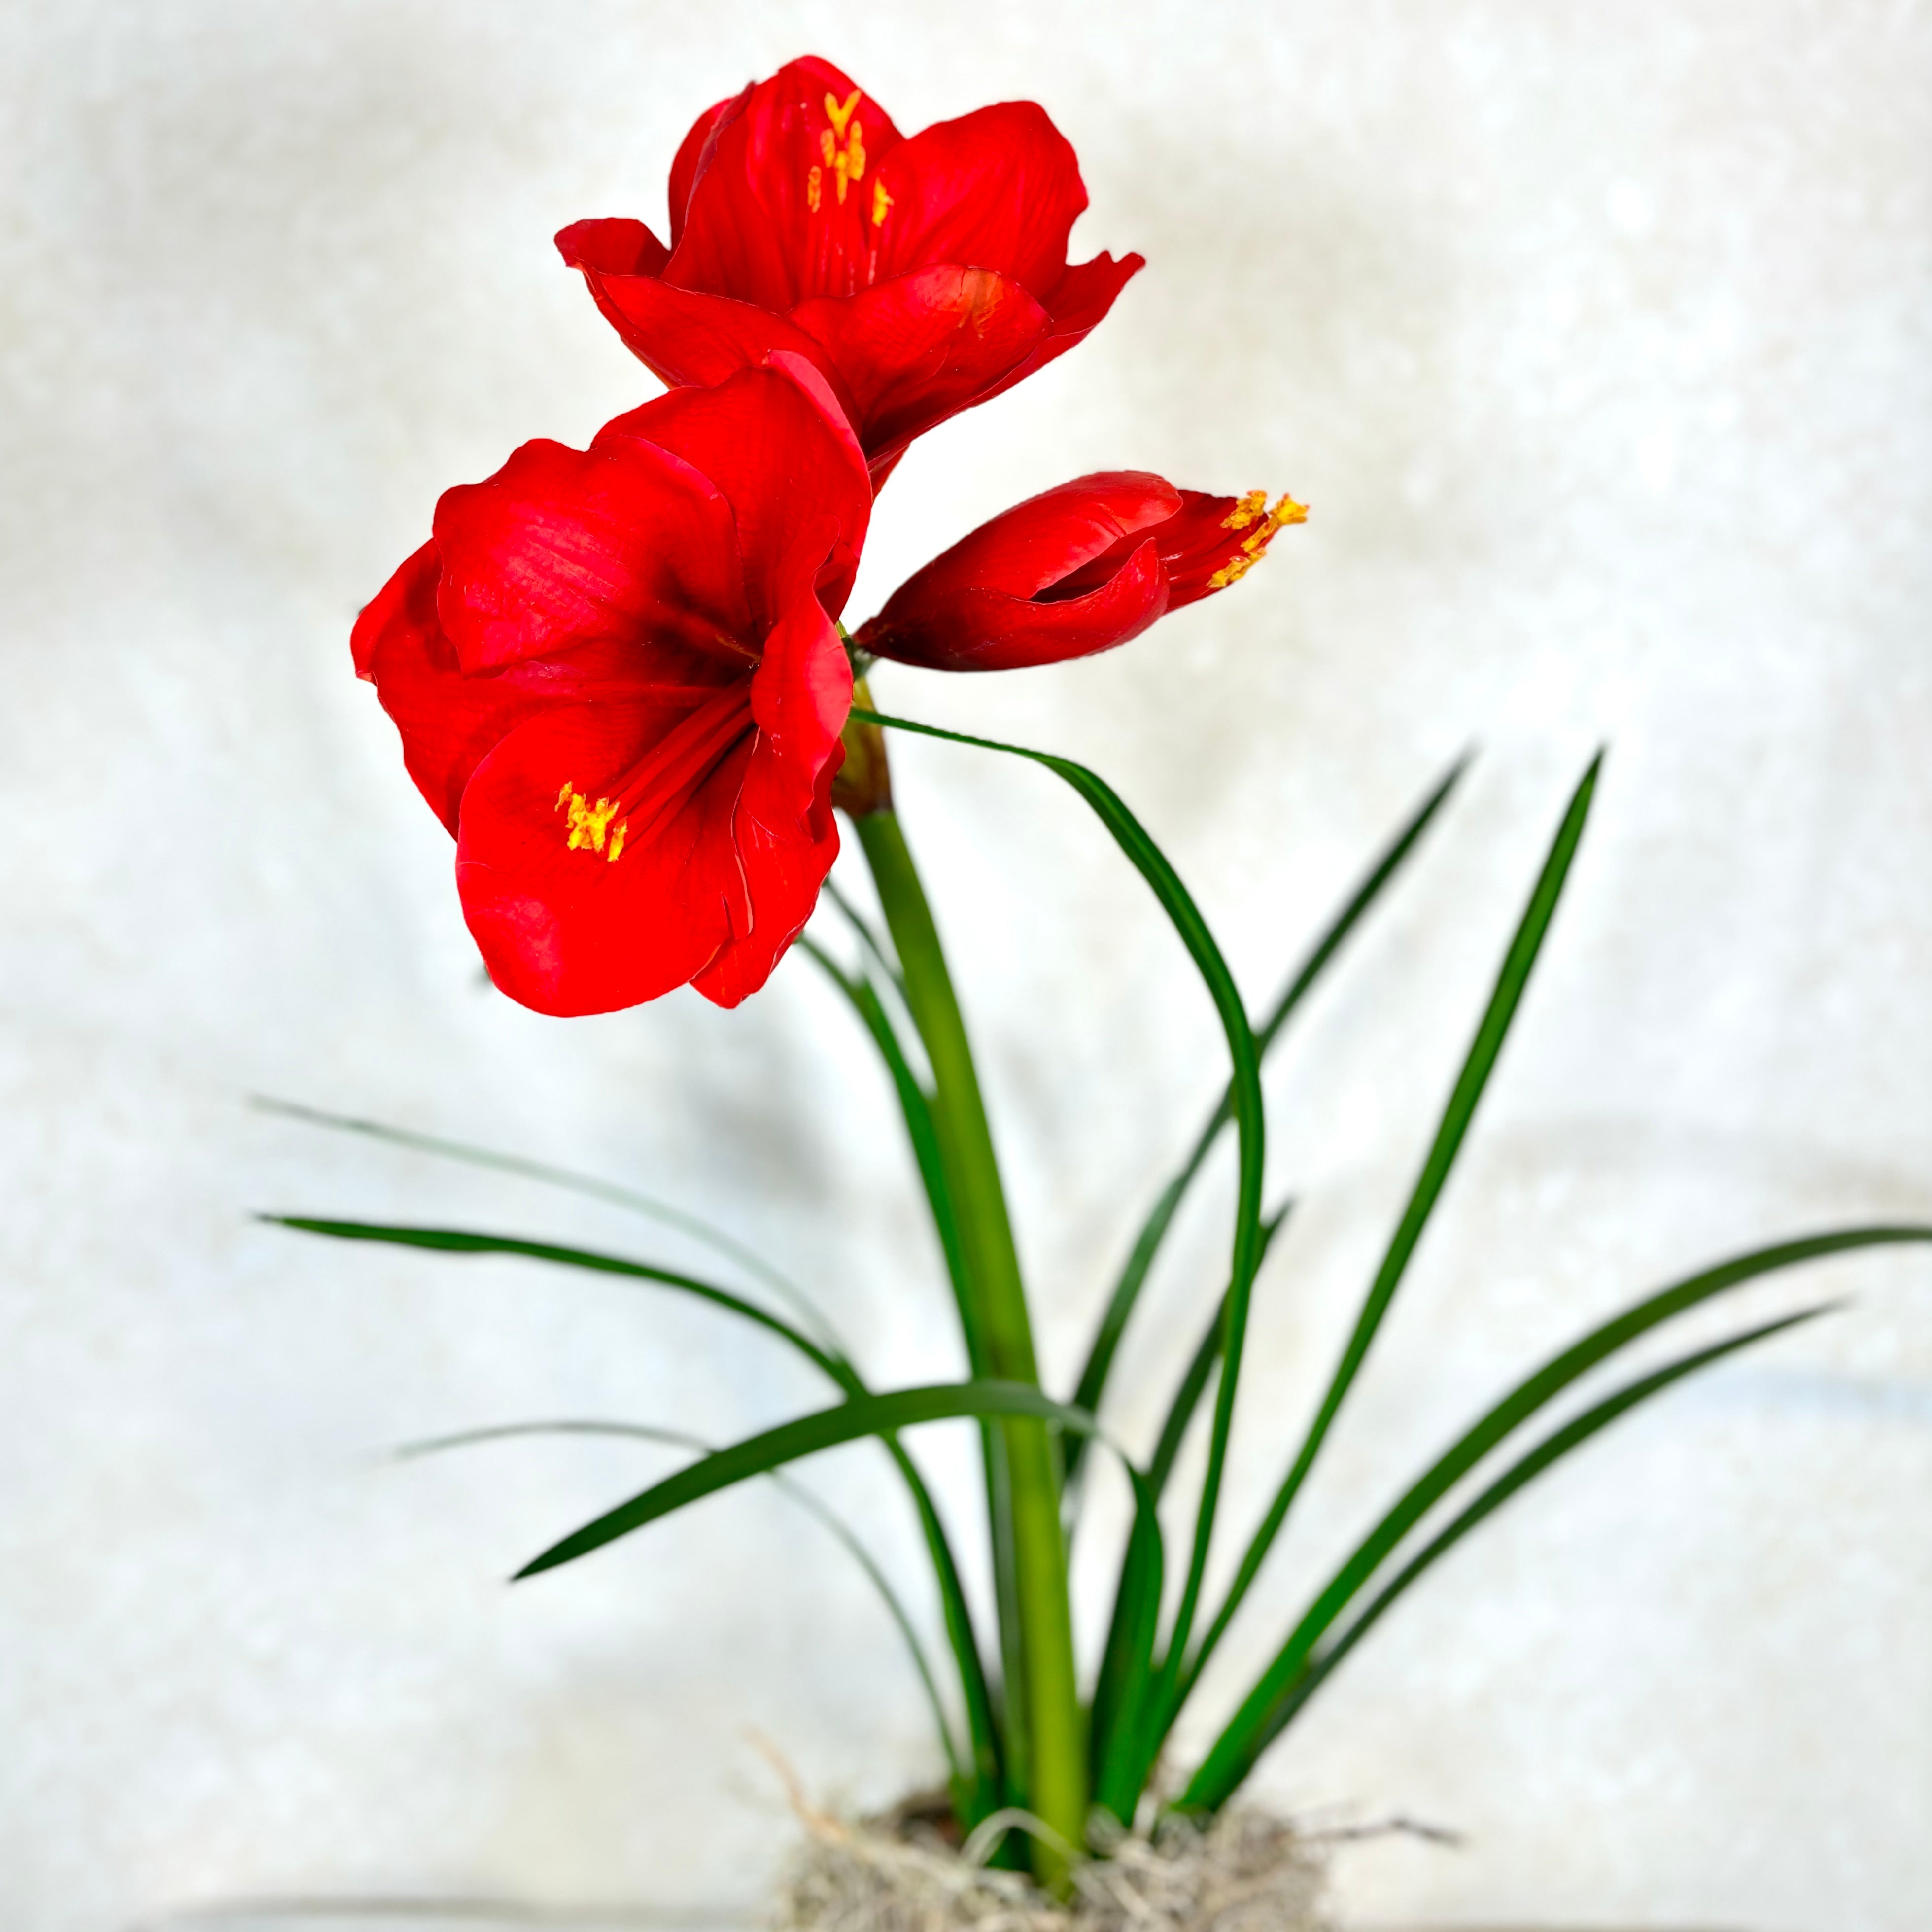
[[1297, 1672], [1133, 1275], [572, 1182], [916, 1109], [958, 1619], [867, 935], [1479, 1063], [678, 1438], [462, 1241], [1185, 916], [849, 1421]]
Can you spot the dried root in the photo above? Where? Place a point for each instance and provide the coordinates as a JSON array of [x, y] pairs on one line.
[[1244, 1872]]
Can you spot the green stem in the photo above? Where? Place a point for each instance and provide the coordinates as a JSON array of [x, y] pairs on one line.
[[1046, 1747]]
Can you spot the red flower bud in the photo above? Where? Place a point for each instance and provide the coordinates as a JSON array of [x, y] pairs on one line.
[[921, 275], [1075, 570]]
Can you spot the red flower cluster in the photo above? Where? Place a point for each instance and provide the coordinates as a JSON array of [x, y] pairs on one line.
[[618, 673]]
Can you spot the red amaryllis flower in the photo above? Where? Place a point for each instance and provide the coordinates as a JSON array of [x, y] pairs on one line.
[[1073, 571], [922, 275], [618, 684]]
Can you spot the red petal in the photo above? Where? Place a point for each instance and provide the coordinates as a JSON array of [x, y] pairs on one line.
[[680, 335], [923, 346], [996, 189], [751, 229], [786, 834], [572, 931], [1036, 545], [618, 244], [451, 720], [774, 443], [563, 548], [691, 159], [1084, 294], [976, 629], [1082, 300]]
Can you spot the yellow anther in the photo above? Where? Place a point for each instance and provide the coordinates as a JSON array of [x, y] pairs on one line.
[[843, 145], [838, 115], [589, 825], [1288, 510], [1250, 509], [1233, 570], [881, 201]]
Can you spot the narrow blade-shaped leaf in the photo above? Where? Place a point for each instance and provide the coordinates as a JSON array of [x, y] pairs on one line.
[[849, 1421], [1186, 917], [568, 1179], [1126, 1291], [958, 1619], [916, 1109], [678, 1438], [1478, 1065], [1296, 1672], [1194, 1378], [464, 1241]]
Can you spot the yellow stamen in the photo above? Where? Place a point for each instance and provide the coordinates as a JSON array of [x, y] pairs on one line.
[[838, 115], [843, 145], [881, 201], [1253, 509], [589, 825]]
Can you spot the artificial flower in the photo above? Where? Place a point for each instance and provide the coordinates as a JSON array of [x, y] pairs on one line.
[[1073, 571], [619, 684], [922, 275]]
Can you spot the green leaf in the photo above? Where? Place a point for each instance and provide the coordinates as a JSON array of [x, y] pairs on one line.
[[1126, 1674], [647, 1205], [678, 1438], [1477, 1065], [849, 1421], [867, 935], [916, 1109], [1200, 1367], [1298, 1673], [462, 1241], [1153, 1230], [958, 1619], [1175, 900]]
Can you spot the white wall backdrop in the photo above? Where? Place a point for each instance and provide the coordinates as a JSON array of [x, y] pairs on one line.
[[1598, 337]]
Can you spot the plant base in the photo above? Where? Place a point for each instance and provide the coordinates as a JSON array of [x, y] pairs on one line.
[[1244, 1873]]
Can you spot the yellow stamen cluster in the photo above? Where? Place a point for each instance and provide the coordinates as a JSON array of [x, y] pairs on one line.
[[1252, 513], [843, 145], [590, 824]]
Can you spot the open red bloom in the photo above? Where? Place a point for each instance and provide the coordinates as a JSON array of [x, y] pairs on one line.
[[618, 684], [922, 275], [1075, 570]]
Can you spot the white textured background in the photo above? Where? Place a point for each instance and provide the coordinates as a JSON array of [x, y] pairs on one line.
[[1598, 339]]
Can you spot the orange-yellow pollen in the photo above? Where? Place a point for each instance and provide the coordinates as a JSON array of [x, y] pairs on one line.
[[881, 201], [1253, 509], [843, 145], [589, 825]]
